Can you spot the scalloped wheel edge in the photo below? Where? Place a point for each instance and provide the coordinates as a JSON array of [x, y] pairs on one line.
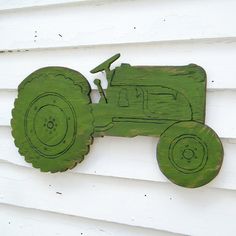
[[59, 166]]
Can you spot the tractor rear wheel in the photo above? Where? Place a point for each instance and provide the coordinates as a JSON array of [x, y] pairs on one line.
[[52, 121], [189, 154]]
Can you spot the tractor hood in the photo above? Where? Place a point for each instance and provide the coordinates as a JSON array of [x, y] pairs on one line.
[[188, 80], [158, 75]]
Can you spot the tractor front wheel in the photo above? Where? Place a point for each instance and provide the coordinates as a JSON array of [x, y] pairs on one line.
[[190, 154]]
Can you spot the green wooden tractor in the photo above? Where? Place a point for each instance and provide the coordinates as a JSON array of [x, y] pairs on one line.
[[54, 121]]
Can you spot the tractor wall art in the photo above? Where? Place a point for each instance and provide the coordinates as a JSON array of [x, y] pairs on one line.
[[54, 122]]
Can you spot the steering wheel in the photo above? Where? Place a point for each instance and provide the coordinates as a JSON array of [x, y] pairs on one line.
[[106, 64]]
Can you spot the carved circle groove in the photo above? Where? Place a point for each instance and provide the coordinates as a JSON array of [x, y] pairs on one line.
[[188, 153], [50, 125]]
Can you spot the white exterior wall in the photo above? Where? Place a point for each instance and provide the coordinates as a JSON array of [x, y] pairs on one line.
[[118, 189]]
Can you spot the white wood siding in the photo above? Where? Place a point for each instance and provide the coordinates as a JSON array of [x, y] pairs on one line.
[[118, 189]]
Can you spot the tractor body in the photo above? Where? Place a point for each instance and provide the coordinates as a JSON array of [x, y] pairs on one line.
[[146, 100]]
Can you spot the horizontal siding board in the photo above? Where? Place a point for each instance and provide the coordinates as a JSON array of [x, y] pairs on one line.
[[219, 103], [132, 202], [118, 189], [116, 22], [16, 220], [125, 158], [217, 57], [19, 5]]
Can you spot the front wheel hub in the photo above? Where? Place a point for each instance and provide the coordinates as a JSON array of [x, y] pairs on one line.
[[188, 153]]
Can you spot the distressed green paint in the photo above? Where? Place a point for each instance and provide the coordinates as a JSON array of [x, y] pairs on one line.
[[190, 154], [54, 120]]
